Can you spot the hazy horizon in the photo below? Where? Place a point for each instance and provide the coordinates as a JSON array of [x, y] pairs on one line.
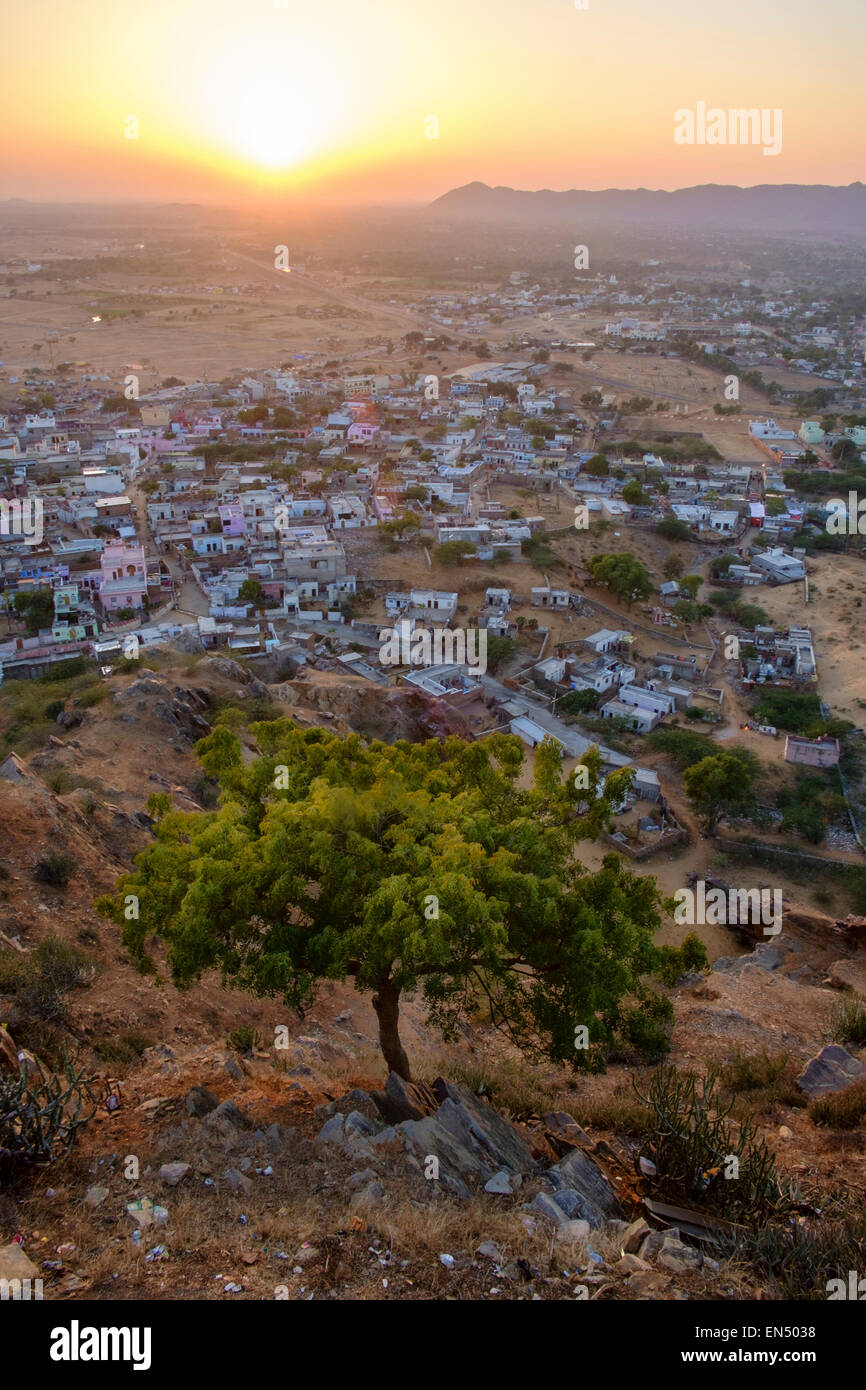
[[222, 104]]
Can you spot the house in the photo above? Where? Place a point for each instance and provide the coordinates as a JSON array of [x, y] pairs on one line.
[[778, 566], [602, 674], [363, 433], [763, 430], [102, 480], [615, 509], [644, 697], [436, 602], [641, 720], [348, 513], [811, 432], [817, 752], [124, 576], [607, 640], [532, 733], [545, 597]]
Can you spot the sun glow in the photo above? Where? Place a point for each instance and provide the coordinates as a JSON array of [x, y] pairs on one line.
[[272, 113]]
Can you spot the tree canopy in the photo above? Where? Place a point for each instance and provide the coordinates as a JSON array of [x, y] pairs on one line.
[[407, 868], [622, 574], [721, 785]]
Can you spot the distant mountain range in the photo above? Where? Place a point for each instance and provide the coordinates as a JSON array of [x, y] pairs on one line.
[[783, 207]]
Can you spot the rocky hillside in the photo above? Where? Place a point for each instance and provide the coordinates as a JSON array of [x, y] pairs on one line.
[[236, 1149]]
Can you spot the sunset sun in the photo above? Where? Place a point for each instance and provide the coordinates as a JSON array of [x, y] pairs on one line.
[[268, 112]]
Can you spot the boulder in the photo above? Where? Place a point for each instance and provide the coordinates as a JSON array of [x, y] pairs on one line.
[[237, 1181], [200, 1101], [173, 1173], [14, 1264], [570, 1232], [592, 1196], [634, 1236], [8, 1054], [228, 1112], [373, 1194], [833, 1069], [489, 1250], [655, 1240], [458, 1165], [356, 1099], [361, 1179], [849, 974], [332, 1130], [681, 1258], [483, 1131], [565, 1126], [547, 1207], [276, 1136], [403, 1100], [499, 1184]]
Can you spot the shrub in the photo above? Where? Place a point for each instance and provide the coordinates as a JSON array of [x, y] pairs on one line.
[[692, 955], [126, 1047], [55, 869], [41, 980], [74, 666], [797, 1262], [91, 695], [244, 1038], [40, 1115], [745, 1073], [787, 709], [683, 747], [841, 1109], [57, 780], [847, 1022], [692, 1147], [647, 1028]]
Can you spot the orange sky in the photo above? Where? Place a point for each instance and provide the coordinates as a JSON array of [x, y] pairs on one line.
[[335, 99]]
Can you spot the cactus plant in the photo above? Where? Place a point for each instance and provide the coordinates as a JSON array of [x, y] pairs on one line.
[[41, 1113]]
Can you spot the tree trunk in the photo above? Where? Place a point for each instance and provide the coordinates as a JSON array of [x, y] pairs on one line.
[[386, 1002]]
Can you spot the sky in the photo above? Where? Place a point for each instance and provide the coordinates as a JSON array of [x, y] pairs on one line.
[[396, 101]]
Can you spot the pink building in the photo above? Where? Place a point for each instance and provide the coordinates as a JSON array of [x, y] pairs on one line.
[[362, 433], [124, 576], [817, 752], [231, 515]]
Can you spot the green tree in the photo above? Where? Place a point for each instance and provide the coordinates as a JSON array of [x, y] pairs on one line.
[[453, 552], [36, 607], [672, 529], [634, 494], [252, 592], [499, 651], [673, 567], [596, 467], [622, 574], [721, 785], [845, 450], [422, 868]]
